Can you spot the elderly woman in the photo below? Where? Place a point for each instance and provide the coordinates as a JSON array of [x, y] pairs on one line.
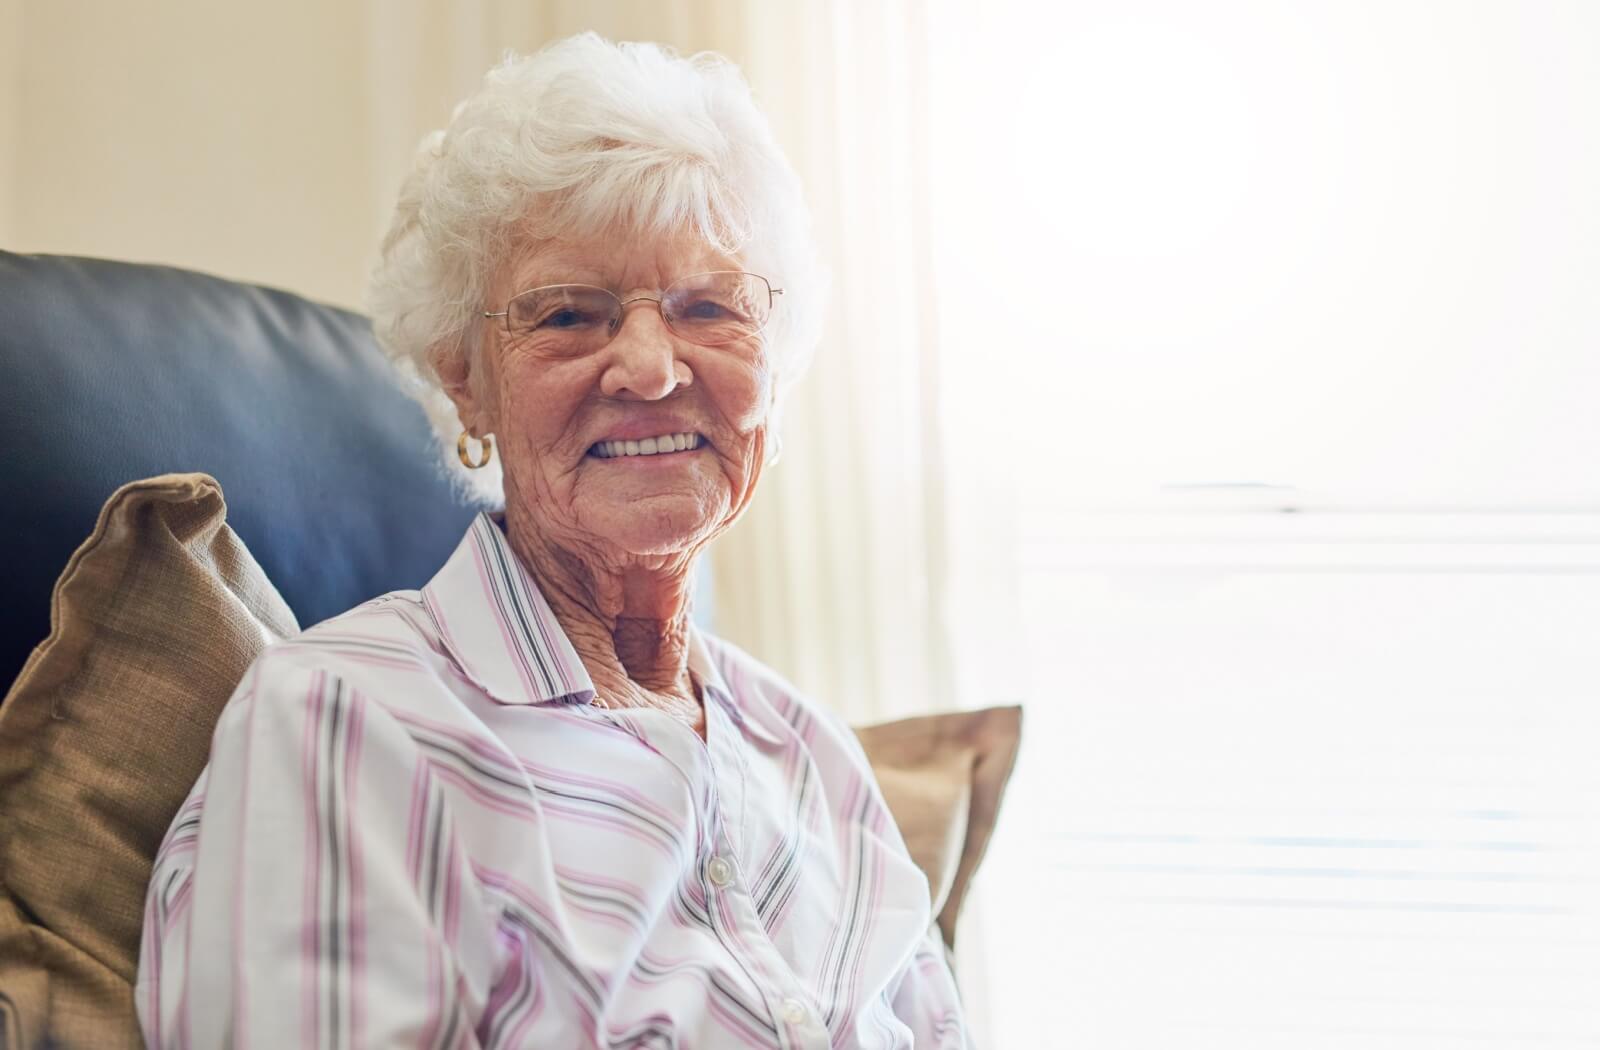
[[532, 805]]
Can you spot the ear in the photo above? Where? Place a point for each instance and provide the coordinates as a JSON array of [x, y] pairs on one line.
[[453, 367]]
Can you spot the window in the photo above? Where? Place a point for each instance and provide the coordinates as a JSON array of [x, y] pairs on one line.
[[1270, 348], [1304, 779]]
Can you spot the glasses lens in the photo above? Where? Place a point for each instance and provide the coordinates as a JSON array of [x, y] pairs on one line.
[[716, 308], [566, 319]]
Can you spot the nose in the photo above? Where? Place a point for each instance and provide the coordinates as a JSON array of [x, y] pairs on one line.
[[643, 356]]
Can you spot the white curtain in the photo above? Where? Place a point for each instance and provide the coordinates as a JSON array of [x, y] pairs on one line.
[[837, 577]]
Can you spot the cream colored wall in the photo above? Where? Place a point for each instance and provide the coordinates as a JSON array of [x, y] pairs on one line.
[[258, 142], [207, 135], [10, 109]]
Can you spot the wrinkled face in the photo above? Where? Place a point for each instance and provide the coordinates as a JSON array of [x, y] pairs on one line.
[[554, 416]]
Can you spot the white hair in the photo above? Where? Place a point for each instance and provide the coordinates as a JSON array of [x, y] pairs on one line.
[[584, 135]]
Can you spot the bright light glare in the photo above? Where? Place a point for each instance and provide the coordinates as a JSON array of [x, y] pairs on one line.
[[1352, 247], [1283, 810]]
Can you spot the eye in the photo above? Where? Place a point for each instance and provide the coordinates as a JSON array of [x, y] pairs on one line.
[[569, 317], [705, 310]]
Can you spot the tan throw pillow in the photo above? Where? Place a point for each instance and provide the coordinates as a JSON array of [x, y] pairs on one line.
[[152, 624], [943, 776]]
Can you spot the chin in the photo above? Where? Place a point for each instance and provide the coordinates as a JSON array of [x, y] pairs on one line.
[[656, 527]]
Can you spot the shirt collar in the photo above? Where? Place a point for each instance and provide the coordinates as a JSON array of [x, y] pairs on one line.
[[714, 689], [496, 623]]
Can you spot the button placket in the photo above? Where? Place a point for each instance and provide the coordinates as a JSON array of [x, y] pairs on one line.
[[736, 921], [740, 931]]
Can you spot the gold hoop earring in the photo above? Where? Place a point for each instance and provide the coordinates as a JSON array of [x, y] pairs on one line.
[[485, 451]]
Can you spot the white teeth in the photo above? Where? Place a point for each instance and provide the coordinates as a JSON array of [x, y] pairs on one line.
[[648, 446]]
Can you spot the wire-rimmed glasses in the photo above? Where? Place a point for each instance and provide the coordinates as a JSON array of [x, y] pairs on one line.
[[712, 309]]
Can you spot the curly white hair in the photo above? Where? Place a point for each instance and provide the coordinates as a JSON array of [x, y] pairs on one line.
[[586, 134]]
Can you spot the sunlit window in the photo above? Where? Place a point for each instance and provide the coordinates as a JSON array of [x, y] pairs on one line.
[[1271, 341]]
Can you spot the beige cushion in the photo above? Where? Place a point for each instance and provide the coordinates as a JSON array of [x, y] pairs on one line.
[[152, 624], [943, 777]]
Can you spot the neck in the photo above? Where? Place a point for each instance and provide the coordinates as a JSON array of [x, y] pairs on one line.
[[629, 622]]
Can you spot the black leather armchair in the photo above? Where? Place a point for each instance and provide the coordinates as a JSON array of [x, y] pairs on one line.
[[114, 371]]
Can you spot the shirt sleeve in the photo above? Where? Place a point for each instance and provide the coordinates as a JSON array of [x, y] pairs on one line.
[[927, 1001], [313, 889]]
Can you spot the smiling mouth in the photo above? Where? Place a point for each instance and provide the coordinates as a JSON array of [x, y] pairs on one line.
[[665, 445]]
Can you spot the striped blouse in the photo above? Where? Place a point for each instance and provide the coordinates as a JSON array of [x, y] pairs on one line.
[[415, 830]]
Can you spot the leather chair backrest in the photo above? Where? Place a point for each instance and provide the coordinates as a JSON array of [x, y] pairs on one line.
[[113, 371]]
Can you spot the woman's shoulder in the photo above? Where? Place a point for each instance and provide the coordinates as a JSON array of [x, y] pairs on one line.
[[751, 680], [387, 647]]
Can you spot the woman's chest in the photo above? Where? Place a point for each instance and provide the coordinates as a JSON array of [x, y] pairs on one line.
[[669, 866]]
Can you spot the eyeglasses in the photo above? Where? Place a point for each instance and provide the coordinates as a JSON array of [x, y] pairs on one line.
[[711, 309]]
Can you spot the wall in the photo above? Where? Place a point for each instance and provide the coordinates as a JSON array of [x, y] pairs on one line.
[[10, 109], [261, 144], [198, 134]]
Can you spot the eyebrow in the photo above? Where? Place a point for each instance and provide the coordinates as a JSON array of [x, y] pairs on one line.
[[545, 275], [569, 272]]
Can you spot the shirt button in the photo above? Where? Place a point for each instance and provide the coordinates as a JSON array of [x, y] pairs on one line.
[[719, 871], [794, 1011]]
